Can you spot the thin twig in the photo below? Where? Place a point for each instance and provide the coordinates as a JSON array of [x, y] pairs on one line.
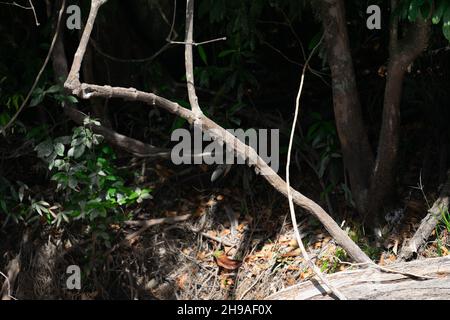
[[36, 81], [34, 12], [421, 187], [147, 224], [198, 43], [291, 202]]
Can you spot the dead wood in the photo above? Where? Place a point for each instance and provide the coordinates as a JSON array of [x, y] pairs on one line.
[[376, 284], [427, 225], [13, 269]]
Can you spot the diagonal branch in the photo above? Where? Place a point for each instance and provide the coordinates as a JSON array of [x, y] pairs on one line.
[[73, 80], [223, 136]]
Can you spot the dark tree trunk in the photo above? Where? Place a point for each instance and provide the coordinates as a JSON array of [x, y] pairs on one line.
[[358, 157], [402, 55]]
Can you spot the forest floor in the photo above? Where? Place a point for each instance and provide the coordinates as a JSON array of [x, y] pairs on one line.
[[237, 243]]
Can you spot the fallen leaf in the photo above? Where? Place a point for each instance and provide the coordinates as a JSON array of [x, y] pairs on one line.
[[181, 281], [293, 253], [223, 261], [293, 268], [293, 243]]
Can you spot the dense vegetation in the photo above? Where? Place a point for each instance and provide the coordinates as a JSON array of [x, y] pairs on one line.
[[76, 175]]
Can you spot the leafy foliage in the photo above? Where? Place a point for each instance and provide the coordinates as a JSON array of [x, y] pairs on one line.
[[89, 188], [437, 10], [86, 178]]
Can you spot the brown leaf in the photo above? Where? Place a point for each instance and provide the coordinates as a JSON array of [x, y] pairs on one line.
[[181, 281], [292, 253], [223, 261], [293, 243]]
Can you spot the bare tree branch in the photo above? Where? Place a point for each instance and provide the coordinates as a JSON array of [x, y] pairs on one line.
[[223, 136]]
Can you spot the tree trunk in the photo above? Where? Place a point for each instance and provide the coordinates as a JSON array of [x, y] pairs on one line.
[[402, 55], [357, 154], [371, 180]]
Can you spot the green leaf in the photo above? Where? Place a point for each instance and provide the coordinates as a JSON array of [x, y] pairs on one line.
[[226, 53], [133, 195], [59, 149], [202, 54], [44, 149], [446, 23], [97, 139], [63, 140], [413, 10], [4, 118], [53, 89], [37, 99], [315, 40], [71, 152], [78, 152], [71, 99], [59, 163], [3, 206], [437, 14]]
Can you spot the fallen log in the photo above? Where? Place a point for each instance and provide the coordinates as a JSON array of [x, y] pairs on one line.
[[427, 225], [375, 284]]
